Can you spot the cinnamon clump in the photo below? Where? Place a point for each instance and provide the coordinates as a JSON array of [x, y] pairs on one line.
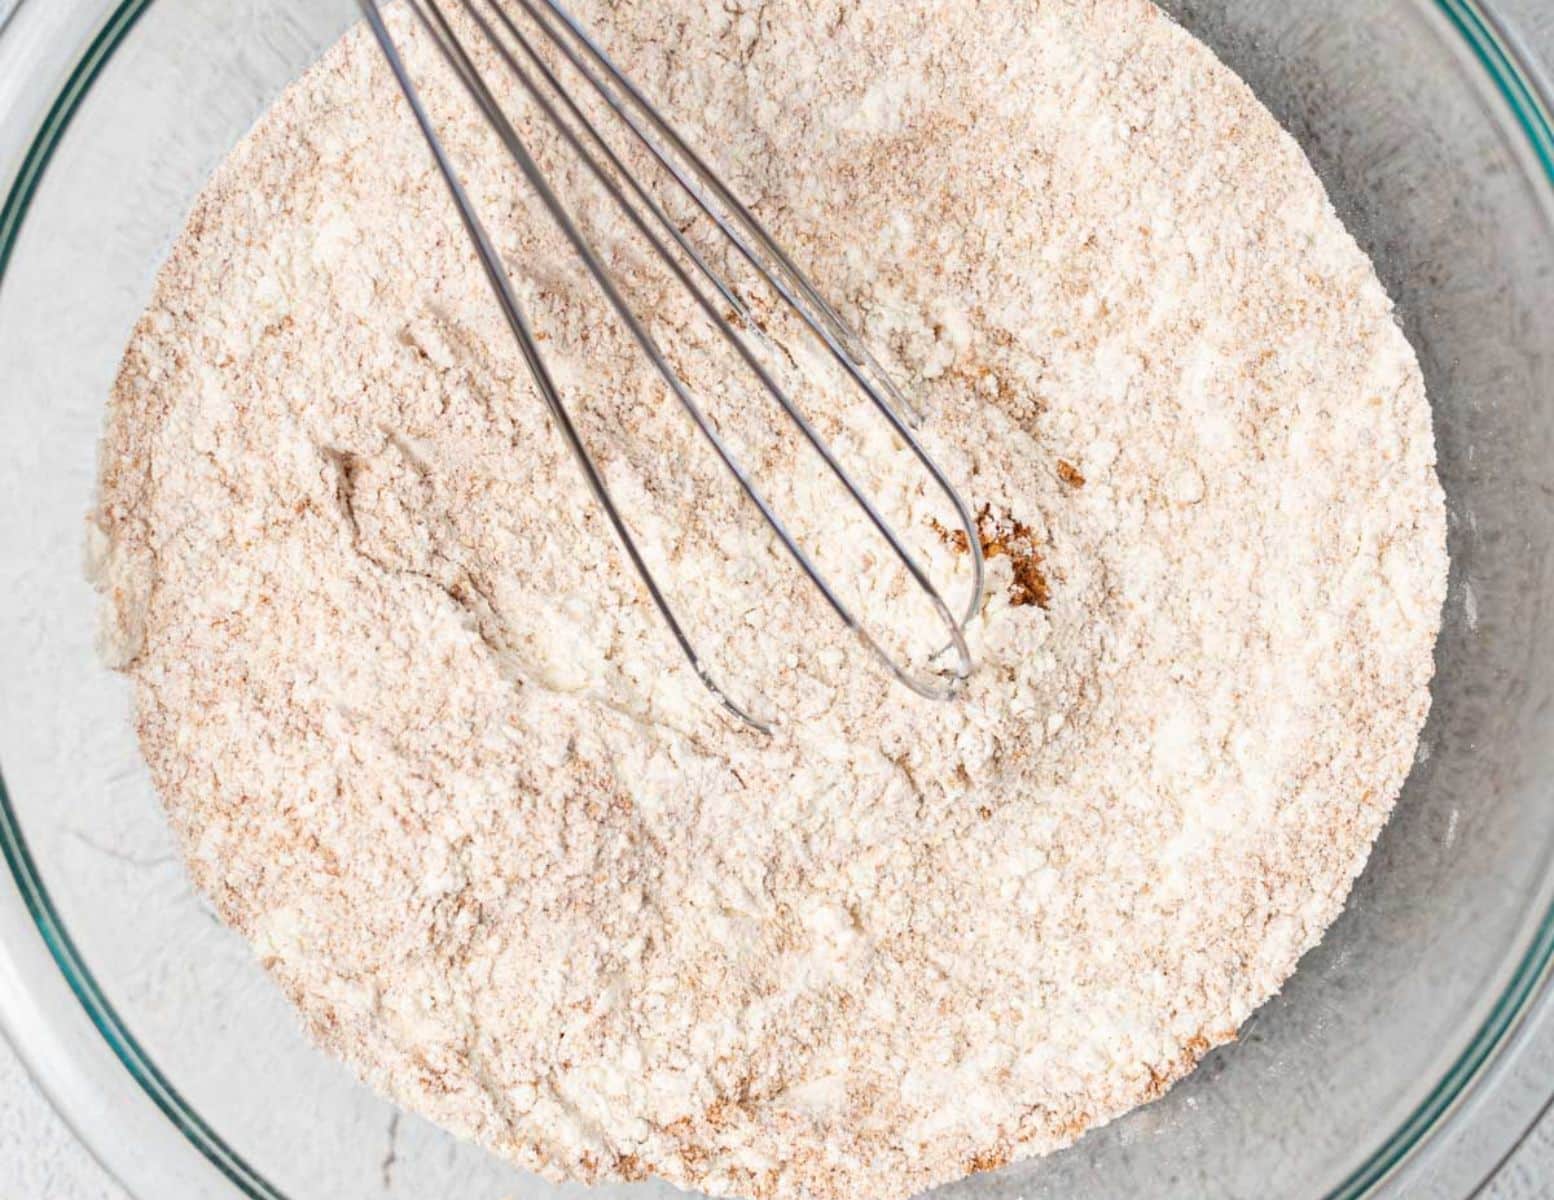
[[1015, 540]]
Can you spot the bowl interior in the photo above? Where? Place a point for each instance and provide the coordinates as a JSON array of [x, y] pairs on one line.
[[1434, 171]]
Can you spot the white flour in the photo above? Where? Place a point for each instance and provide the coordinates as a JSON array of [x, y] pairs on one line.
[[428, 746]]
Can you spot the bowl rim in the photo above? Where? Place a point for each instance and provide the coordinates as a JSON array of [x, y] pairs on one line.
[[1509, 68]]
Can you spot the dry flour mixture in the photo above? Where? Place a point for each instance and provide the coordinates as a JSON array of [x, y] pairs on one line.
[[429, 748]]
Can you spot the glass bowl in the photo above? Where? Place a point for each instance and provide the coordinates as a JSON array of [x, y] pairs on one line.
[[160, 1038]]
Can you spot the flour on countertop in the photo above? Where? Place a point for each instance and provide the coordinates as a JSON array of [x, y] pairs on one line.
[[428, 746]]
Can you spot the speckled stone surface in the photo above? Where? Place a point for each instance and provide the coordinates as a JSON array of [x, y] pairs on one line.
[[40, 1159], [1528, 1174]]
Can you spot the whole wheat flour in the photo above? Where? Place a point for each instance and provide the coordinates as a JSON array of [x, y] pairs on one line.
[[427, 745]]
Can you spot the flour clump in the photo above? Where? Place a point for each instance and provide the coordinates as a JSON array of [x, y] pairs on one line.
[[427, 745]]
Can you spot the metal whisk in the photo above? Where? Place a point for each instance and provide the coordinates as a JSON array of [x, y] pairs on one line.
[[516, 50]]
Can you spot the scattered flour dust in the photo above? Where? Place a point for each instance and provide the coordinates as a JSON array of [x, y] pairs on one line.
[[427, 745]]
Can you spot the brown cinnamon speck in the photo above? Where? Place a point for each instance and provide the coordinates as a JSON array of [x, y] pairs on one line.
[[1006, 537]]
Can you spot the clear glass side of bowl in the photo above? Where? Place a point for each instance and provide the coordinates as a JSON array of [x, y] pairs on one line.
[[1359, 1056]]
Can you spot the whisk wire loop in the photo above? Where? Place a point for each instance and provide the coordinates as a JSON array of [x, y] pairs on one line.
[[617, 182]]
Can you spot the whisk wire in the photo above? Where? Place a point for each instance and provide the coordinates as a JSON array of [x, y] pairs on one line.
[[456, 56]]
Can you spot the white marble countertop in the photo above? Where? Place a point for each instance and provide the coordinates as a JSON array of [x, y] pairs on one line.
[[40, 1159]]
